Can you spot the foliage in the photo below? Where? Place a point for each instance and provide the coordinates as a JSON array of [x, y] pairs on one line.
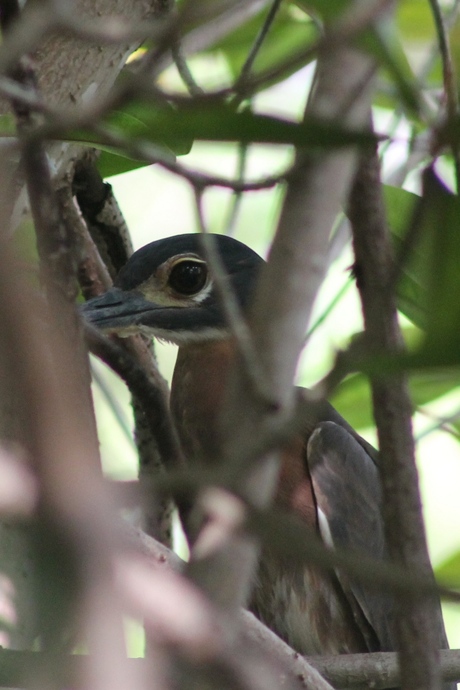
[[220, 84], [424, 223]]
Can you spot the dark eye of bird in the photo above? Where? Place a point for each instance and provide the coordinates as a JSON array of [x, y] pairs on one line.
[[188, 277]]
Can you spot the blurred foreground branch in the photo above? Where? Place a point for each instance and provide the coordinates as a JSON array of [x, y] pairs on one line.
[[378, 670]]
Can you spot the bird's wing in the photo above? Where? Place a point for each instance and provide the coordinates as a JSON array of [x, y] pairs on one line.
[[347, 490]]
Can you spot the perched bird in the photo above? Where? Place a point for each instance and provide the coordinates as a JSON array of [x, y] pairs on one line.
[[328, 477]]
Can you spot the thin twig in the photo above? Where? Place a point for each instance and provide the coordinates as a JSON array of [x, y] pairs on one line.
[[237, 196], [439, 424], [256, 46], [234, 316], [113, 404], [184, 71], [450, 82], [330, 307]]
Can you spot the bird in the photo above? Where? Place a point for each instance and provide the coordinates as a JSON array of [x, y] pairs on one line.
[[329, 477]]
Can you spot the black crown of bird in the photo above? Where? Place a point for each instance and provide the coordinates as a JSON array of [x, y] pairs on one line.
[[328, 478]]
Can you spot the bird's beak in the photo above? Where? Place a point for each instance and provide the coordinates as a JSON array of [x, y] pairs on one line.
[[117, 310]]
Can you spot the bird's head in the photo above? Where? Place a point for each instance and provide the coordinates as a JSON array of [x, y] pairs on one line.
[[166, 289]]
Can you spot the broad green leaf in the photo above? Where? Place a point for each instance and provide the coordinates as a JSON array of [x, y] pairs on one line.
[[112, 162], [383, 43], [415, 21], [442, 219], [218, 122], [328, 11], [137, 120], [352, 398], [430, 385], [411, 289], [434, 267], [400, 205], [142, 119]]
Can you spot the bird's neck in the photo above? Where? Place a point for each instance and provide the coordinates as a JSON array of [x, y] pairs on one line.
[[198, 386]]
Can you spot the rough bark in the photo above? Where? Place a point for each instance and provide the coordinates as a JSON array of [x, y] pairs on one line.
[[419, 620]]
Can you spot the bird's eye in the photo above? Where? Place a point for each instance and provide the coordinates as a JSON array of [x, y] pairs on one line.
[[188, 277]]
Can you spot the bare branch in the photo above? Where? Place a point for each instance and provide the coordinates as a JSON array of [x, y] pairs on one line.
[[419, 621], [184, 71], [296, 264], [379, 670]]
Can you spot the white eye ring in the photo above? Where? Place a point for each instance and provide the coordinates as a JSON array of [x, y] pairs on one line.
[[188, 276]]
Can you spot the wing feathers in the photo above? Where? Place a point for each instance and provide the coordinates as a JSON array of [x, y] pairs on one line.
[[347, 490]]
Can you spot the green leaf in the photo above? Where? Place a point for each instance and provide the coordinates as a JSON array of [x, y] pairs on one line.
[[400, 205], [441, 219], [454, 39], [142, 119], [382, 41], [411, 290], [352, 398], [137, 120], [328, 11], [448, 572], [218, 122], [434, 267], [290, 35], [430, 385], [112, 162], [415, 21], [416, 28], [7, 125]]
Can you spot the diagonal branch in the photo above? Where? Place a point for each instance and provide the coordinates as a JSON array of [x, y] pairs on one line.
[[282, 307]]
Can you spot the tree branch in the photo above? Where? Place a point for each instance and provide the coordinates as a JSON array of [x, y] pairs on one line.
[[281, 309], [378, 671], [419, 622]]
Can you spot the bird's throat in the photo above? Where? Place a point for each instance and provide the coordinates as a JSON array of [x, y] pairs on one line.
[[198, 386]]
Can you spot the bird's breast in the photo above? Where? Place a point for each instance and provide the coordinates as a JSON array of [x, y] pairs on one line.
[[302, 604], [305, 607]]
